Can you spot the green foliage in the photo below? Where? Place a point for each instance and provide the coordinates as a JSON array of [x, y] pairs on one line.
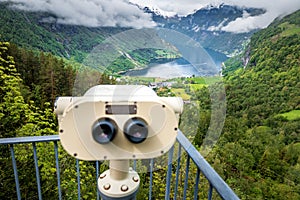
[[12, 102], [18, 118], [29, 82], [27, 30], [44, 75], [258, 151], [231, 65], [292, 115]]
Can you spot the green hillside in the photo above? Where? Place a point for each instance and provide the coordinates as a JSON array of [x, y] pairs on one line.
[[258, 152], [27, 30], [30, 30]]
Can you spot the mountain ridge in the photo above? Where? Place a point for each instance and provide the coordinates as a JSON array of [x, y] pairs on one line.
[[40, 30], [204, 26]]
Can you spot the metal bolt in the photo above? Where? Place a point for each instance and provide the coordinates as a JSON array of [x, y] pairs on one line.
[[135, 179], [106, 186], [102, 176], [124, 188]]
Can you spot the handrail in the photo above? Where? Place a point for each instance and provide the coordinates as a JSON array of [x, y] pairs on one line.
[[215, 181], [29, 139]]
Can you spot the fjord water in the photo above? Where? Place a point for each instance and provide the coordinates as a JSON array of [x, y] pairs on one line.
[[166, 70], [173, 69]]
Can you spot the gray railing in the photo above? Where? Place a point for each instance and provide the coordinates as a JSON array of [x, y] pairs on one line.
[[205, 176]]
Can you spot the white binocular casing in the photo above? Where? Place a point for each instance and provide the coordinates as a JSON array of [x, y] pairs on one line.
[[118, 122]]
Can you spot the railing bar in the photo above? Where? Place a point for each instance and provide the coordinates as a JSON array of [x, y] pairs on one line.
[[197, 184], [37, 171], [78, 179], [169, 173], [210, 190], [29, 139], [97, 176], [186, 176], [215, 180], [12, 152], [134, 164], [151, 178], [57, 170], [177, 172]]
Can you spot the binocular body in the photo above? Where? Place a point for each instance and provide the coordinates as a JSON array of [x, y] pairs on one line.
[[118, 122]]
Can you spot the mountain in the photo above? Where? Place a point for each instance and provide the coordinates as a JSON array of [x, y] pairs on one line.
[[205, 25], [258, 152], [40, 30]]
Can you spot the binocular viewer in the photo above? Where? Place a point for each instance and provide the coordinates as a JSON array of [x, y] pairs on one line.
[[118, 122]]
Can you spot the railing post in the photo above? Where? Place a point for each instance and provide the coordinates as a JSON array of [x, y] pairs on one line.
[[177, 171], [97, 175], [37, 171], [151, 178], [12, 152], [169, 174], [78, 179], [57, 169], [196, 184], [186, 176]]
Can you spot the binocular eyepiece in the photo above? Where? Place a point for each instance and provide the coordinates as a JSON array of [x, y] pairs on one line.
[[105, 130]]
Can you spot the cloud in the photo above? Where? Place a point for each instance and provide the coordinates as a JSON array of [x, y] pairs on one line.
[[92, 13], [246, 24], [219, 27], [274, 8], [123, 13], [171, 7]]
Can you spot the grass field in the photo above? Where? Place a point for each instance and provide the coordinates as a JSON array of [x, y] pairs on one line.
[[292, 115], [205, 80], [179, 92], [195, 87]]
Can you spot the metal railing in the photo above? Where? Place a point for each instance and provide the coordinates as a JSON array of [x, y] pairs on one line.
[[178, 172]]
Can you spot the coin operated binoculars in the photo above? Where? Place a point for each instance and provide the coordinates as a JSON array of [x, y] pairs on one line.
[[118, 123]]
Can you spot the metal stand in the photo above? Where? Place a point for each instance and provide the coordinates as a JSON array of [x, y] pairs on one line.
[[119, 182]]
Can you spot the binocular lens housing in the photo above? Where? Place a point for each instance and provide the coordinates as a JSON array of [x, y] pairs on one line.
[[136, 130], [104, 130]]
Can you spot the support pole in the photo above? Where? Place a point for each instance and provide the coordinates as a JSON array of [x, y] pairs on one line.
[[119, 182]]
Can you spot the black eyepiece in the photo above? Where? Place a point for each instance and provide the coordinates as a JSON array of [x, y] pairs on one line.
[[104, 130], [136, 130]]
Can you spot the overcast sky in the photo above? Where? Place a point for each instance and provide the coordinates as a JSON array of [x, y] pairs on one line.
[[123, 13]]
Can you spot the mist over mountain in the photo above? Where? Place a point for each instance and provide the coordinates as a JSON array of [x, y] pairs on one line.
[[208, 26], [45, 31]]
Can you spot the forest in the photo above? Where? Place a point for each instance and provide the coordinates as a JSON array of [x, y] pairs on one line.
[[259, 150], [257, 154]]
